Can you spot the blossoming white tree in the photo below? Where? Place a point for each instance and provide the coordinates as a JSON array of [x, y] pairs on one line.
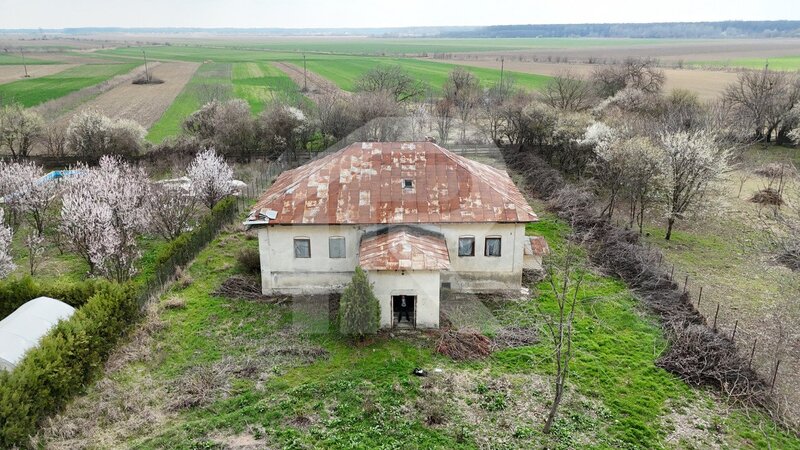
[[102, 214], [6, 263], [693, 161], [210, 177], [92, 134], [26, 193]]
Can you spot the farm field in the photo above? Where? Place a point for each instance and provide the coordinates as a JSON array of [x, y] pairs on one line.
[[32, 92], [776, 63], [15, 59], [210, 80], [708, 84], [144, 104], [269, 378], [260, 83], [11, 73]]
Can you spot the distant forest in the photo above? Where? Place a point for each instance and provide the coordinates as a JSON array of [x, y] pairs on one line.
[[728, 29]]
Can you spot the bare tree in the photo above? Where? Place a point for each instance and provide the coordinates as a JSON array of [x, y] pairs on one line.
[[91, 134], [638, 73], [6, 263], [565, 278], [54, 140], [19, 130], [171, 210], [762, 101], [334, 116], [462, 90], [393, 80], [568, 91], [443, 112]]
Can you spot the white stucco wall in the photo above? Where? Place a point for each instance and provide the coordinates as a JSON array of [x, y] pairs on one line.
[[423, 284], [282, 273]]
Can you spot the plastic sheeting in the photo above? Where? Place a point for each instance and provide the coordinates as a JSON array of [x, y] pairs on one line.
[[23, 328]]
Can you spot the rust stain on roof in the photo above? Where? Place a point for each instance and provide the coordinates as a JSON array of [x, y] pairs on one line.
[[404, 249], [536, 245], [368, 183]]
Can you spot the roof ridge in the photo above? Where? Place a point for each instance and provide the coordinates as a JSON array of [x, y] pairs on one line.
[[458, 160]]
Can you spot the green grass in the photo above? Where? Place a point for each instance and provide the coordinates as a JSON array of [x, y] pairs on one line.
[[260, 83], [364, 396], [32, 92], [191, 98], [776, 63], [17, 59]]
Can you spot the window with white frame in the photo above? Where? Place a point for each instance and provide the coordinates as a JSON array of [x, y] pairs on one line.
[[492, 246], [466, 246], [336, 247], [302, 247]]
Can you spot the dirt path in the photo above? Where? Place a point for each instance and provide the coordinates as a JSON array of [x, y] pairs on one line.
[[708, 84], [317, 85], [143, 103], [9, 74]]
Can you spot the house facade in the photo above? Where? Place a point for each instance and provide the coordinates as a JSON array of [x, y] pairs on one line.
[[415, 216]]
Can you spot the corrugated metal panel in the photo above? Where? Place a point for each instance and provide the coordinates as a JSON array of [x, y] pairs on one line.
[[536, 245], [404, 249], [364, 184]]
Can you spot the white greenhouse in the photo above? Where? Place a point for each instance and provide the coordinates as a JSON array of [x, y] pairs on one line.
[[23, 328]]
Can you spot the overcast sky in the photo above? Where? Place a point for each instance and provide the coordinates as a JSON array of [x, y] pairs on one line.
[[376, 13]]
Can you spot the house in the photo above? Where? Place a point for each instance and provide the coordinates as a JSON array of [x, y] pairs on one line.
[[415, 216]]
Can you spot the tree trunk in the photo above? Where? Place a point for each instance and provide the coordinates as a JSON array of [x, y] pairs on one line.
[[670, 223], [554, 408]]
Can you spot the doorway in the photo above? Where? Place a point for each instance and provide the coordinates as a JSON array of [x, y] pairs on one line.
[[404, 311]]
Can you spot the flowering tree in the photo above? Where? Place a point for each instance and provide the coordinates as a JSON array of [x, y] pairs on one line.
[[102, 214], [210, 177], [171, 210], [26, 193], [693, 161], [93, 134], [6, 264], [19, 128]]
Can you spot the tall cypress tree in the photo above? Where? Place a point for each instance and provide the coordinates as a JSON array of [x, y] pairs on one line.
[[359, 310]]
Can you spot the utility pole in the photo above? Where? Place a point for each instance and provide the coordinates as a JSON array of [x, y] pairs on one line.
[[146, 74], [24, 64], [305, 74]]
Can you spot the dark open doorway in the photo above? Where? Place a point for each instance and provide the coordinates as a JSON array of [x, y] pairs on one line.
[[404, 311]]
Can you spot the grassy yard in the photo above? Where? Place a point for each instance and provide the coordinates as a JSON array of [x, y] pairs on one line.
[[34, 91], [205, 371]]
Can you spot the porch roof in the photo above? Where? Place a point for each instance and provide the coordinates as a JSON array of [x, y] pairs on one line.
[[404, 248]]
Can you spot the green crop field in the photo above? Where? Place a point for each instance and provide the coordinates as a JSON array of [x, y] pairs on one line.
[[416, 46], [777, 63], [16, 59], [201, 54], [35, 91], [345, 71], [210, 79], [260, 83]]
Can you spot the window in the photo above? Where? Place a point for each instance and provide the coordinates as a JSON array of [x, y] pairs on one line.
[[492, 246], [408, 184], [336, 247], [466, 246], [302, 248]]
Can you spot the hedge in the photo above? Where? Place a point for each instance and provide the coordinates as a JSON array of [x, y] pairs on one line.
[[73, 353]]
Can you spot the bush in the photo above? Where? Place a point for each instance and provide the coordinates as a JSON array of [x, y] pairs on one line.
[[249, 261], [359, 310], [65, 360], [16, 292]]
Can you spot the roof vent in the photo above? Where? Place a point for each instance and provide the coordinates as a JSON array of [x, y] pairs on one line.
[[408, 183]]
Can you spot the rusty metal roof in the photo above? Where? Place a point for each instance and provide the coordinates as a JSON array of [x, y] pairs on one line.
[[404, 249], [365, 183], [536, 245]]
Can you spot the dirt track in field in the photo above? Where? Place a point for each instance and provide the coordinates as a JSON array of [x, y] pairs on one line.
[[708, 84], [317, 85], [143, 103], [9, 74]]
